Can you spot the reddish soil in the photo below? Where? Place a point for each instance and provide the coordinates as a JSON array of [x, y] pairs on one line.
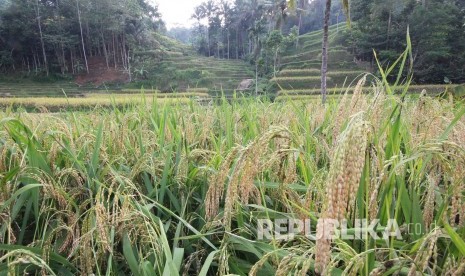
[[99, 74]]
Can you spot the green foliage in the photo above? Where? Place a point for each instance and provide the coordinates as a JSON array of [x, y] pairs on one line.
[[126, 190], [436, 30], [112, 29]]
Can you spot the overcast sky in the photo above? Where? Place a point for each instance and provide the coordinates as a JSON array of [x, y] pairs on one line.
[[177, 12]]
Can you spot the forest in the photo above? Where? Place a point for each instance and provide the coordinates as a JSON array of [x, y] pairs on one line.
[[437, 28], [58, 36]]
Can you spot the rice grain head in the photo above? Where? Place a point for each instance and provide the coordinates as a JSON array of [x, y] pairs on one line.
[[342, 185]]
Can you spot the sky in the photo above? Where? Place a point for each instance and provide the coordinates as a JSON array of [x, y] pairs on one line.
[[177, 12]]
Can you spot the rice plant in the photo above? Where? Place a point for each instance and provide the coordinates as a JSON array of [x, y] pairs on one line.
[[182, 188]]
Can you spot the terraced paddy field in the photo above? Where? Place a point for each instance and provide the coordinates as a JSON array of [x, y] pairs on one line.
[[301, 66], [300, 70], [190, 70], [175, 69], [190, 189]]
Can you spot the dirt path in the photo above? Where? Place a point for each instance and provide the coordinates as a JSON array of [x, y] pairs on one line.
[[99, 74]]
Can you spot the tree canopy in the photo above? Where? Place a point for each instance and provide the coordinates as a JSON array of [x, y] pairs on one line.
[[437, 29], [58, 35]]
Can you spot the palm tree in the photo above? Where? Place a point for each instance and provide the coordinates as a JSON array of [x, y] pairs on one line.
[[324, 61], [198, 15], [209, 9]]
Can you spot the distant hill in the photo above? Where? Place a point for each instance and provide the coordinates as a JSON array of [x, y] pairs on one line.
[[166, 66], [177, 67], [300, 70]]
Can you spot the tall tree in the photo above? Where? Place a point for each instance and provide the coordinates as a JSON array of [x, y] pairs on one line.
[[436, 29], [82, 36], [41, 37], [324, 55]]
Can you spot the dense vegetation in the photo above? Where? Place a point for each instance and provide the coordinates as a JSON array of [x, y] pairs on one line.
[[168, 189], [257, 31], [245, 28], [42, 36], [130, 181], [59, 36], [437, 28]]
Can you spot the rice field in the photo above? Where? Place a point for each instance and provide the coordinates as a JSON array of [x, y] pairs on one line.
[[91, 101], [179, 188]]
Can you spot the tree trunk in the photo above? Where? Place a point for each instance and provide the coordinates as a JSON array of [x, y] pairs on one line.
[[34, 60], [298, 30], [63, 57], [256, 78], [82, 36], [72, 61], [324, 55], [389, 29], [114, 51], [275, 61], [129, 65], [13, 63], [208, 40], [105, 53], [41, 37], [28, 67], [237, 43]]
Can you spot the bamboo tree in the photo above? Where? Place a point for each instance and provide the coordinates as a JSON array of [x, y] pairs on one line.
[[82, 36], [41, 37]]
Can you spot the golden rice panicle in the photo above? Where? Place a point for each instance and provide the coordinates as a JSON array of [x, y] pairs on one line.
[[102, 220], [324, 230], [258, 265], [248, 166], [460, 269], [216, 185], [339, 118], [182, 170], [85, 247], [377, 175], [356, 159], [346, 110], [424, 253], [342, 185], [428, 213], [356, 103], [3, 158], [457, 202]]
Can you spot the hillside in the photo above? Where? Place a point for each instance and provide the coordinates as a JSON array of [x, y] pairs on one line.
[[170, 68], [300, 71], [176, 67]]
